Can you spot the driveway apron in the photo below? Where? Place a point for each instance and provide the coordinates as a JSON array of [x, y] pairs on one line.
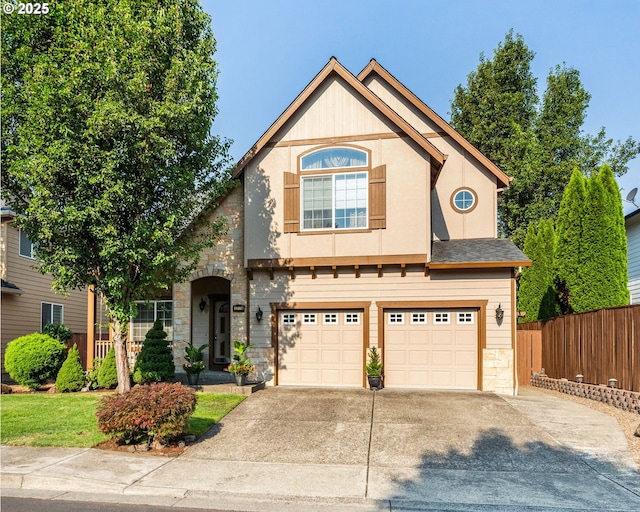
[[399, 450]]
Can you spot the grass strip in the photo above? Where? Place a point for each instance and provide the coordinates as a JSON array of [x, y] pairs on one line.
[[68, 419]]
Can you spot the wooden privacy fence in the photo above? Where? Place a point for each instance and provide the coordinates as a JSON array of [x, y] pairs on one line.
[[599, 345], [529, 355]]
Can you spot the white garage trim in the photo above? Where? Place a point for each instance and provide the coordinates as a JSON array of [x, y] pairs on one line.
[[479, 317], [344, 311]]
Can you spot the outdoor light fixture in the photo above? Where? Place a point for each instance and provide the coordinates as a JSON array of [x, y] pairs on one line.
[[499, 314], [613, 383], [579, 378], [259, 314], [203, 304]]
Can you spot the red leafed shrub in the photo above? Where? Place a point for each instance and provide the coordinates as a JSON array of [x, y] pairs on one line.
[[158, 411]]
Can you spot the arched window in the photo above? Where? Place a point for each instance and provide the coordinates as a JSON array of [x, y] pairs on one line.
[[334, 158]]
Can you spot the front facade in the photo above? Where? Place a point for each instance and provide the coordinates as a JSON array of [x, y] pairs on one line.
[[632, 222], [28, 303], [360, 219]]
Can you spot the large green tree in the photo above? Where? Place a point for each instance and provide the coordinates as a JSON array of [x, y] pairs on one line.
[[537, 296], [591, 246], [106, 145], [539, 143]]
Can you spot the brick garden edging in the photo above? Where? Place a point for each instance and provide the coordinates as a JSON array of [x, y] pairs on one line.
[[625, 400]]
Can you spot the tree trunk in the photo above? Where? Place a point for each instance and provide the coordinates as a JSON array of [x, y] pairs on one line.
[[122, 363]]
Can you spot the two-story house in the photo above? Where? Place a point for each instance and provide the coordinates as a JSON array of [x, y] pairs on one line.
[[28, 303], [362, 218]]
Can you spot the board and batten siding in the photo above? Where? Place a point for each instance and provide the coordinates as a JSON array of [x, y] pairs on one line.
[[20, 314], [633, 260]]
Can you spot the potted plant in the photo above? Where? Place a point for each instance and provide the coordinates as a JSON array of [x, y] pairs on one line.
[[241, 366], [374, 369], [193, 363]]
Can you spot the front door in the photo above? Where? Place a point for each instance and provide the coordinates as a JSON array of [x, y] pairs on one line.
[[221, 333]]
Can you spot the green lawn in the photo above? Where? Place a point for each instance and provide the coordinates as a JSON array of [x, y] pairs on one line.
[[68, 419]]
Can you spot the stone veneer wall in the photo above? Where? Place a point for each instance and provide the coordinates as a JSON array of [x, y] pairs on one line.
[[226, 260], [498, 371], [626, 400]]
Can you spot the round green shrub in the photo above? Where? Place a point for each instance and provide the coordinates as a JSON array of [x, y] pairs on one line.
[[32, 359], [108, 375], [155, 361], [71, 376]]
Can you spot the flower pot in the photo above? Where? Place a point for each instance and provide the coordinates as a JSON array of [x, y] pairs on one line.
[[193, 378], [375, 382], [241, 379]]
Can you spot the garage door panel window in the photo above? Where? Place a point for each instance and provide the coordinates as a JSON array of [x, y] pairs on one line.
[[466, 318], [330, 318], [288, 319], [419, 318], [441, 318], [309, 319], [396, 318], [352, 318]]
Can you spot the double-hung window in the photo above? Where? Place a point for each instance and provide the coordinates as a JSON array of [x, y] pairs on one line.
[[336, 200], [26, 247]]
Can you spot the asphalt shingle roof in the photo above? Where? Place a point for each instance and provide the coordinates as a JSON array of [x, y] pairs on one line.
[[477, 250]]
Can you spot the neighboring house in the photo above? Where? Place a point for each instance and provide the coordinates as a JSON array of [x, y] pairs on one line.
[[361, 218], [28, 303], [632, 222]]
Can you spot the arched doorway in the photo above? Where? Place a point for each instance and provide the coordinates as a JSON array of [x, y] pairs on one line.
[[211, 319]]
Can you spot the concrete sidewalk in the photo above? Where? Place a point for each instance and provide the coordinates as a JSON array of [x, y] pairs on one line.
[[339, 450]]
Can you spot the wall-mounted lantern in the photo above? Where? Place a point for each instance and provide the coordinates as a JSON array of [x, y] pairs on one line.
[[203, 304], [499, 314], [259, 314]]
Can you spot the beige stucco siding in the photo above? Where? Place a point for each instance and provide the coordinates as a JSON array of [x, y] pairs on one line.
[[21, 314], [408, 227]]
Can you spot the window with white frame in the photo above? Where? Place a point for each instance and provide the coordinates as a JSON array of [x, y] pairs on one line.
[[148, 313], [337, 200], [441, 318], [26, 247], [51, 314], [309, 318], [419, 317], [288, 318], [352, 318], [330, 318], [396, 318], [465, 317]]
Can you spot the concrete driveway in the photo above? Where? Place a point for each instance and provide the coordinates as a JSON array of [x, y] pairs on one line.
[[411, 450]]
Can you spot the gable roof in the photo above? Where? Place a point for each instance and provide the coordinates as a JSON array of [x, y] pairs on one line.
[[374, 68], [331, 68]]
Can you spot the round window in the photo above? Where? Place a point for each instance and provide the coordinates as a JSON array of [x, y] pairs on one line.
[[463, 200]]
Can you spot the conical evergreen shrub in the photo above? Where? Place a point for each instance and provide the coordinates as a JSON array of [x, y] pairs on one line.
[[108, 374], [155, 361], [71, 376]]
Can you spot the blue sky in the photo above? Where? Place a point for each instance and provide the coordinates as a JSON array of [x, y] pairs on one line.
[[268, 51]]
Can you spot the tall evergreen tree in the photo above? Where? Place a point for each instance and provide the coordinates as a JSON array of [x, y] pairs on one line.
[[613, 244], [536, 294], [569, 253], [538, 144]]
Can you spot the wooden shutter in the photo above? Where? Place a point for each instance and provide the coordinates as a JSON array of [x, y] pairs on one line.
[[378, 197], [291, 202]]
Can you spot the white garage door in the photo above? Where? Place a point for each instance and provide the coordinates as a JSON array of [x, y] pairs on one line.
[[434, 349], [320, 348]]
